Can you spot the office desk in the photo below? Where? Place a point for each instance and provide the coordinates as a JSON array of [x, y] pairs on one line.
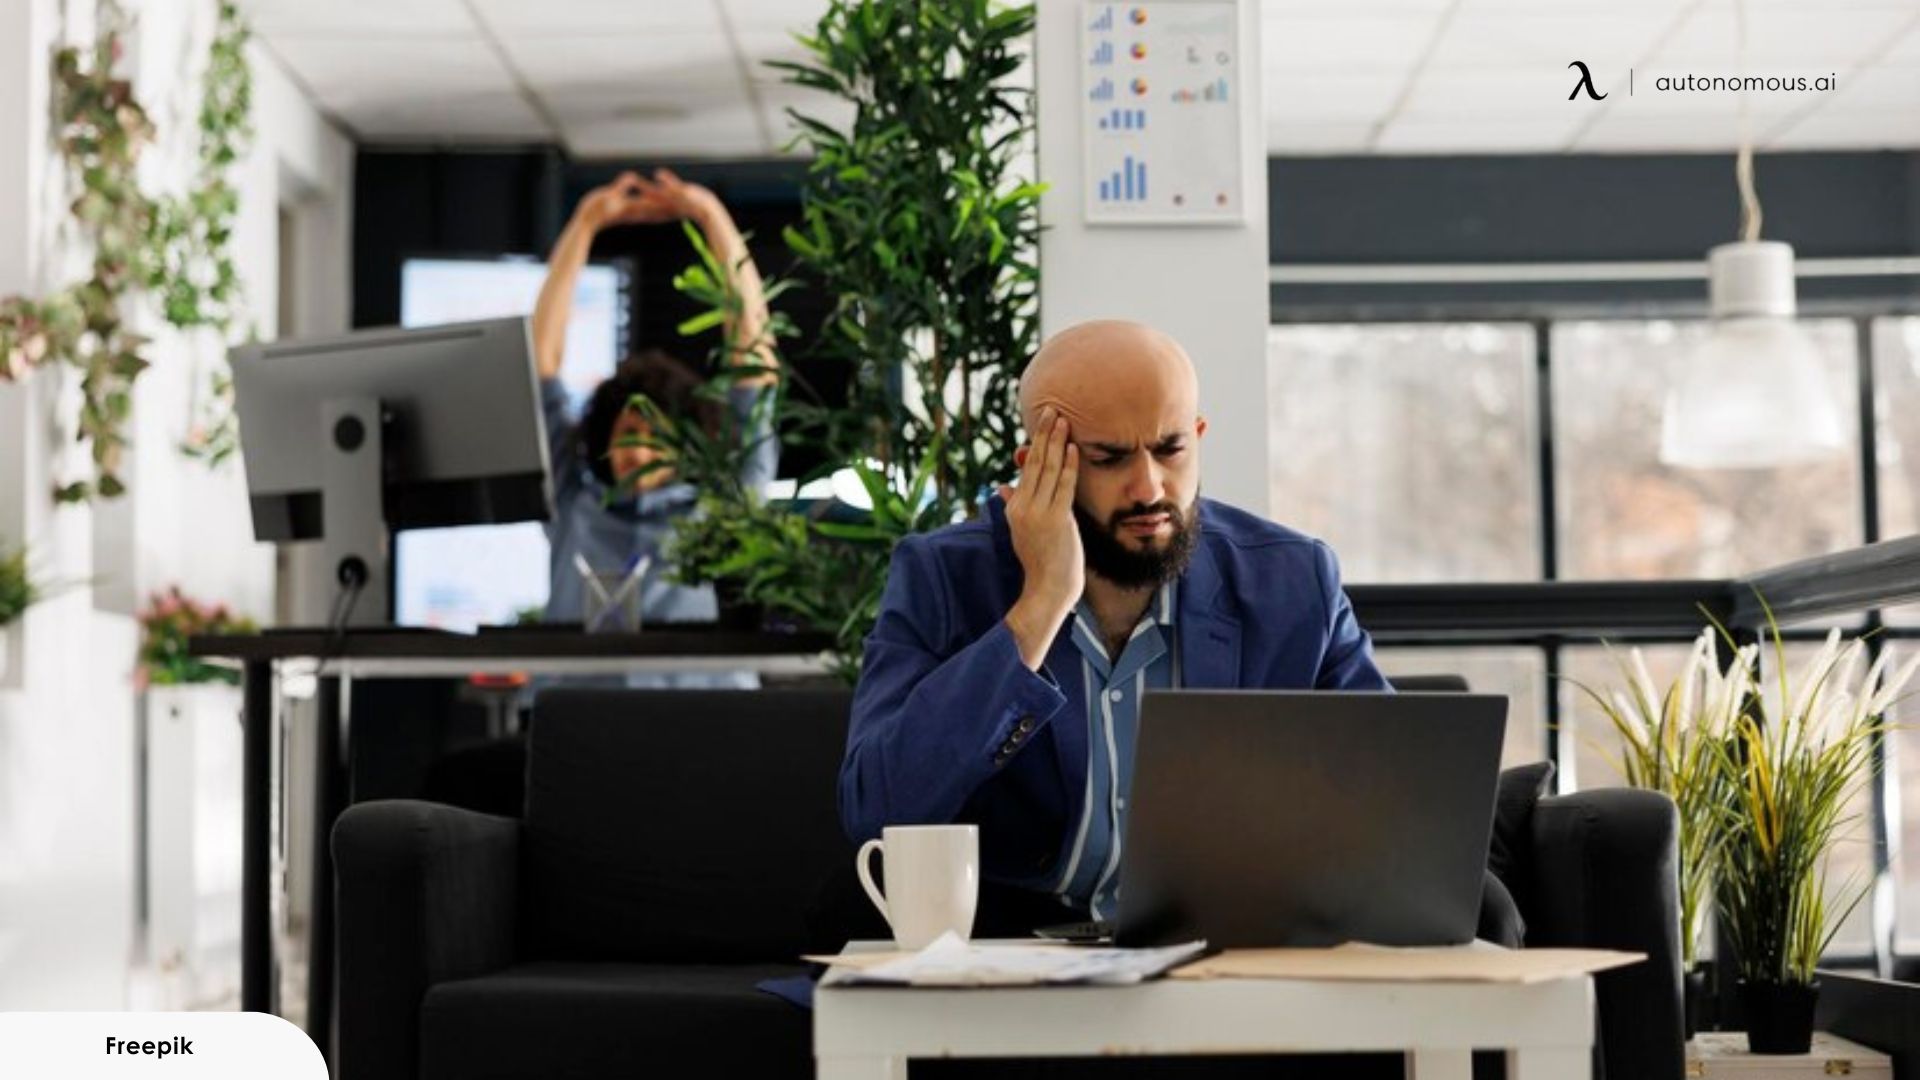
[[396, 653], [1546, 1027]]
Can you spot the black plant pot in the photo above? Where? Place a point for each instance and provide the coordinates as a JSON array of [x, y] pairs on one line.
[[736, 614], [1696, 1001], [1779, 1016]]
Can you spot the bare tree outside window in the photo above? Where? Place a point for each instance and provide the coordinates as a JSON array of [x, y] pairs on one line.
[[1408, 447], [1624, 515]]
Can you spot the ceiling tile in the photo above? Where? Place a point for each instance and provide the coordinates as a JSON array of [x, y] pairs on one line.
[[274, 19], [774, 14], [694, 62], [1906, 51], [1306, 96], [1609, 40], [1887, 129], [724, 134], [342, 72], [629, 103], [1622, 131], [1499, 92], [1878, 88], [1286, 137], [1277, 10], [1807, 36], [1469, 136], [548, 18], [1347, 43], [488, 118]]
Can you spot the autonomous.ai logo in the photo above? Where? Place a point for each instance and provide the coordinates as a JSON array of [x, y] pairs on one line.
[[1585, 83]]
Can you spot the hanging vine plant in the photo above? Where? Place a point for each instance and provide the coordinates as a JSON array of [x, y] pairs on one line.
[[176, 249], [190, 267]]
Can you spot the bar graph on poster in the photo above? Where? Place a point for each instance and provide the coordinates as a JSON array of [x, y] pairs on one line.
[[1160, 112]]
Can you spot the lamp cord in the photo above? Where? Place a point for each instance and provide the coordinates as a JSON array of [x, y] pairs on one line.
[[1750, 215]]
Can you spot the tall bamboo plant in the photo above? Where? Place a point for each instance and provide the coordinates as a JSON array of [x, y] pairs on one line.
[[1670, 743], [921, 234]]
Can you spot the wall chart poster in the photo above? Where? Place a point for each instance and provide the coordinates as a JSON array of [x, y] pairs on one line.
[[1160, 113]]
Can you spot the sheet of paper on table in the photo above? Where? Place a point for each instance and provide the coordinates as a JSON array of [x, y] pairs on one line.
[[1476, 962], [950, 962]]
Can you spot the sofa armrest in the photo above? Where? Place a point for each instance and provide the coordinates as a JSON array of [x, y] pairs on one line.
[[425, 893], [1604, 866]]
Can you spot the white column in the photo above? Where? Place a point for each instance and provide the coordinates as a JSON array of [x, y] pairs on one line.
[[1205, 285]]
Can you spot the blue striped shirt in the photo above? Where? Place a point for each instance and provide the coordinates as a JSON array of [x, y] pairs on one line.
[[1148, 661]]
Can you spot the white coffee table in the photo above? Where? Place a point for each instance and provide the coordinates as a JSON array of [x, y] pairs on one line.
[[1546, 1028]]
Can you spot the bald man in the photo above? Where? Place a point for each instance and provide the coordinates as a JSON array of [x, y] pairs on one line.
[[1002, 680]]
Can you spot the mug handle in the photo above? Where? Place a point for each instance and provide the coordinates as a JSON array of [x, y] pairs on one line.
[[863, 865]]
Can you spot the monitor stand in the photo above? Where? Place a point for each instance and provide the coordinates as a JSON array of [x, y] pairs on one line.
[[353, 522]]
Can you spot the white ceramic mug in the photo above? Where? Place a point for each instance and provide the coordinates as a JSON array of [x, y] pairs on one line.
[[933, 880]]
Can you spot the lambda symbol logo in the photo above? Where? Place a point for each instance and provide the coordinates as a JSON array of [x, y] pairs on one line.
[[1585, 83]]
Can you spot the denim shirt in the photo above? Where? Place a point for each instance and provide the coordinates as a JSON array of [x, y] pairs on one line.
[[610, 536]]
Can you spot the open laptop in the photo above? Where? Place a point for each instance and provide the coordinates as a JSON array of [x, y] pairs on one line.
[[1284, 818]]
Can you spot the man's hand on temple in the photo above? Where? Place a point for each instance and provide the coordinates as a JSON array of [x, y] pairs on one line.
[[1045, 538]]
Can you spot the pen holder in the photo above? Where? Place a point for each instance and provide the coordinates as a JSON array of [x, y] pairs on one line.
[[610, 602]]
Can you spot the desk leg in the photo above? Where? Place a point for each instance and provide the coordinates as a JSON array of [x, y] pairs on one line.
[[851, 1068], [329, 796], [1441, 1065], [256, 839], [1550, 1063]]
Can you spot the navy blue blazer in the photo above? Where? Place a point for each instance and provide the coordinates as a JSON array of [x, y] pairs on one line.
[[949, 725]]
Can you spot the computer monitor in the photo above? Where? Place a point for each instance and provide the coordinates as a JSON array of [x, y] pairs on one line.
[[350, 437], [432, 582]]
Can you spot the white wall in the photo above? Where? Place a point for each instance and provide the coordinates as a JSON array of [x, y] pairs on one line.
[[1207, 286], [67, 815]]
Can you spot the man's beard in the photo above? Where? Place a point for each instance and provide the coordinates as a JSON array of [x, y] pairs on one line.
[[1109, 556]]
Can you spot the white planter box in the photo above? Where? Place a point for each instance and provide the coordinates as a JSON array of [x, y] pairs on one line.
[[193, 815], [1722, 1055], [6, 651]]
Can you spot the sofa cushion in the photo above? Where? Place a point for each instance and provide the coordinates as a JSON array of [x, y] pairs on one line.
[[1521, 788], [563, 1020], [680, 826]]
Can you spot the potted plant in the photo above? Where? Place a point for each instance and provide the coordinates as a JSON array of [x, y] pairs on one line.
[[1669, 744], [18, 592], [921, 233], [190, 712], [1795, 757]]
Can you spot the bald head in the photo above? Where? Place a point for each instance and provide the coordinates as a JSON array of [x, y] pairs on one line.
[[1110, 373]]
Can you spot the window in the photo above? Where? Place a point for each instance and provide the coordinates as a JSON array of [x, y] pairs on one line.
[[1428, 473], [1434, 474], [1624, 515]]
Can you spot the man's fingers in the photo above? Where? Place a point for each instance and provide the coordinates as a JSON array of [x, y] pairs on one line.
[[1038, 452], [1069, 477], [1056, 440]]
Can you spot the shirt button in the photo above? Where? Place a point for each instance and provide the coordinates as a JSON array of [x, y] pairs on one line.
[[1116, 695]]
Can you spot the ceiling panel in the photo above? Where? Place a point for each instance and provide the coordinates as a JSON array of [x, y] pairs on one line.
[[1851, 129], [1346, 43], [274, 19], [733, 132], [549, 18], [1300, 137], [1805, 36], [773, 14], [1331, 97], [344, 72], [1429, 76], [1474, 136], [1611, 39], [1495, 93], [464, 118]]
